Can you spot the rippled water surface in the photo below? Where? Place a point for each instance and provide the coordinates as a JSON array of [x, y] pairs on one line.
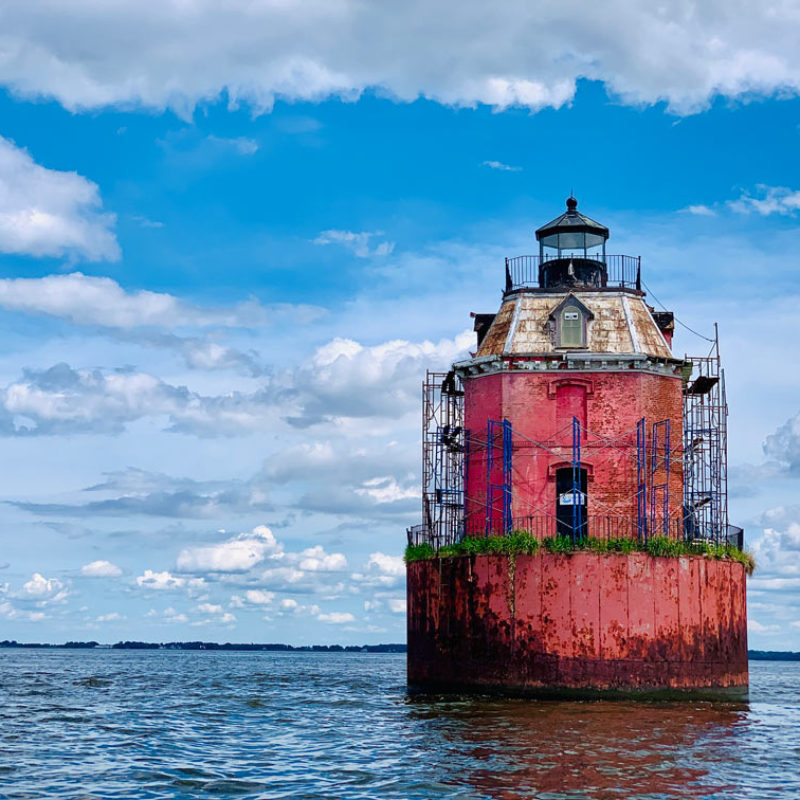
[[157, 724]]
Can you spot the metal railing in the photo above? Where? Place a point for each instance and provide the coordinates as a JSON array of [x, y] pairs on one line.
[[543, 527], [604, 528], [621, 272]]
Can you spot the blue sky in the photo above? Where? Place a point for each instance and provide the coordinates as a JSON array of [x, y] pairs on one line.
[[231, 244]]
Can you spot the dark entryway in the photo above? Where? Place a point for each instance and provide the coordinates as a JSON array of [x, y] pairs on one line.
[[566, 520]]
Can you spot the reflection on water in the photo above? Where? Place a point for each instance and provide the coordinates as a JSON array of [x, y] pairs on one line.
[[184, 725], [516, 748]]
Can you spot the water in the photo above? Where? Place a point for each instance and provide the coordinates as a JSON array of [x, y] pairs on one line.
[[109, 724]]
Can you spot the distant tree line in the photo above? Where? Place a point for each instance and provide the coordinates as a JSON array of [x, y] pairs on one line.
[[66, 645], [773, 655], [754, 655], [270, 647], [247, 648]]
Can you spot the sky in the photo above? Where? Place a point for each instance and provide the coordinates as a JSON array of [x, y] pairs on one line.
[[233, 237]]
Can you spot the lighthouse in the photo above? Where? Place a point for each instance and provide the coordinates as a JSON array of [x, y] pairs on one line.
[[575, 533]]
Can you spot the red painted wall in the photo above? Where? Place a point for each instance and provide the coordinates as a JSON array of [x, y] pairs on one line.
[[540, 407], [578, 621]]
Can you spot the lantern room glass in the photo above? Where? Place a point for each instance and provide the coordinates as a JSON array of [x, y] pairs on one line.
[[566, 244]]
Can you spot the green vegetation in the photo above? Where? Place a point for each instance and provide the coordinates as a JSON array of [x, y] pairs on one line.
[[559, 544], [419, 552], [517, 543], [523, 543]]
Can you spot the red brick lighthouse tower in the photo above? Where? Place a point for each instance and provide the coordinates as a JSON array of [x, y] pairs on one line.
[[575, 533]]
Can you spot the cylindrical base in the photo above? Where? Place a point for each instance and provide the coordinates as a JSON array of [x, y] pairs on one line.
[[578, 623]]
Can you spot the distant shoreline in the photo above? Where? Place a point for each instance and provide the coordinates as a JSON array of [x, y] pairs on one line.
[[215, 646], [753, 655]]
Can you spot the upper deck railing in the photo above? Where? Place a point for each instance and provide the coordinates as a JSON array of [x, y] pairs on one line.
[[615, 272], [600, 527]]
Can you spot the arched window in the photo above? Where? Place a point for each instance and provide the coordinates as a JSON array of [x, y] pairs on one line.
[[571, 327]]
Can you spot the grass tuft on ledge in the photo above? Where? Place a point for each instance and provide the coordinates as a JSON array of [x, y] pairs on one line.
[[519, 543]]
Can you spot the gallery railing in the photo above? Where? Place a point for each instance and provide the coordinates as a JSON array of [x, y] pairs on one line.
[[609, 271]]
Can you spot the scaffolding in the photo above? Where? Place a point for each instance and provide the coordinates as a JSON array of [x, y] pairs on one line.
[[507, 455], [651, 452], [499, 442], [705, 462], [443, 463]]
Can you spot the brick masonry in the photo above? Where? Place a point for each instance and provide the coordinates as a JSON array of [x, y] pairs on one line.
[[540, 407]]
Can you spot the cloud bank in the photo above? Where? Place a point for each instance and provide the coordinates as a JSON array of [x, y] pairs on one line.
[[170, 53], [342, 379]]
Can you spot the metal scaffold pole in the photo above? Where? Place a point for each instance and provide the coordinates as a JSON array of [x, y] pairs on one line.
[[660, 457], [577, 494], [641, 480], [705, 412], [508, 451]]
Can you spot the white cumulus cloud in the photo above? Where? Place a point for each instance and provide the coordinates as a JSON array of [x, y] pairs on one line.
[[165, 581], [387, 490], [236, 555], [346, 378], [101, 569], [44, 212], [387, 564], [315, 559], [382, 571], [43, 590], [259, 597], [209, 608]]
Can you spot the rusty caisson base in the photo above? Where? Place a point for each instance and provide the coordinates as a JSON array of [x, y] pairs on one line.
[[580, 624]]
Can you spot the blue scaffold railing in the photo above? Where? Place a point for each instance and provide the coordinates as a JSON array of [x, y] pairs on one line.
[[499, 436]]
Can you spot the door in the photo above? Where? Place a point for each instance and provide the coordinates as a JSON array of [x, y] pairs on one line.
[[566, 497]]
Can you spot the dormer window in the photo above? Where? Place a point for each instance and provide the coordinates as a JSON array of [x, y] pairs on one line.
[[569, 322], [571, 327]]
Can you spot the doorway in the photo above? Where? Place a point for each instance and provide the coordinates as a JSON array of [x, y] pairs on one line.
[[566, 497]]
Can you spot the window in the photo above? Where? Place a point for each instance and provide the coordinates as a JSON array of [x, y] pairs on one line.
[[571, 327]]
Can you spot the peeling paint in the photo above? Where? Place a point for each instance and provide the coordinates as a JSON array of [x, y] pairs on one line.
[[630, 622], [621, 324]]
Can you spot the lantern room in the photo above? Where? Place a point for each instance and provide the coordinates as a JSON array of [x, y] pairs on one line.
[[572, 249]]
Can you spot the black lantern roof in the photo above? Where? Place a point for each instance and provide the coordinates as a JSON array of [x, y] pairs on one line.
[[571, 222]]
